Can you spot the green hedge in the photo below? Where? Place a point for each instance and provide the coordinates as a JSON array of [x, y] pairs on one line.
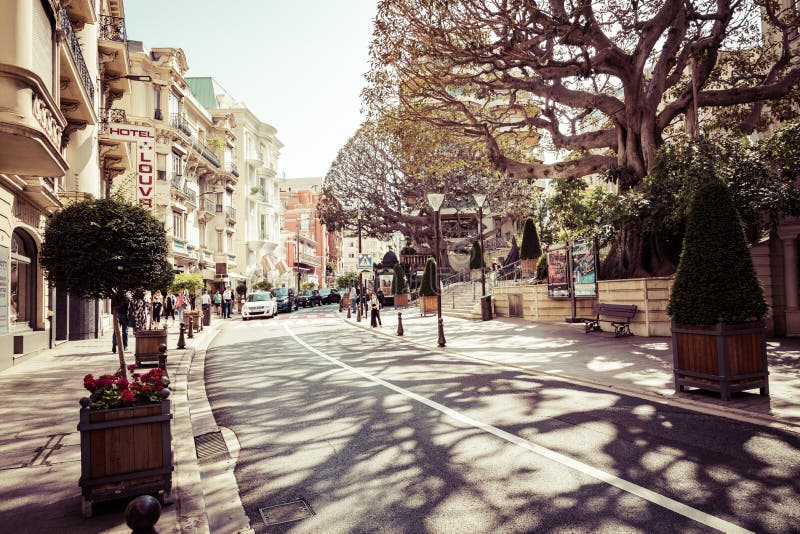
[[428, 286], [399, 284], [715, 279], [476, 256], [530, 249]]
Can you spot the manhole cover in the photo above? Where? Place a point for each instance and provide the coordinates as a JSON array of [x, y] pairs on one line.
[[286, 512], [211, 447]]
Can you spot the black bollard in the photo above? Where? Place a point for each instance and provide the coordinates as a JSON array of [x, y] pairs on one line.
[[191, 327], [142, 514], [348, 312], [358, 315], [181, 340], [399, 324], [162, 356]]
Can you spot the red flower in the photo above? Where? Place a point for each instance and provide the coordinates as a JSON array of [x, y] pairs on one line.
[[127, 396], [122, 383], [131, 367]]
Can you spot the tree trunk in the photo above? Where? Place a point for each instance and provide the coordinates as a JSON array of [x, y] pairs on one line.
[[120, 345]]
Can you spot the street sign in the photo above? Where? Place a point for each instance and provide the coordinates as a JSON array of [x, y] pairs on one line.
[[364, 262]]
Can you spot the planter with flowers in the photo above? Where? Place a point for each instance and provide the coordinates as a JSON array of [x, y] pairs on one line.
[[125, 437]]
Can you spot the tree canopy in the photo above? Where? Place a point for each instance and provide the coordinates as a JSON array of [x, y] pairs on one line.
[[601, 84]]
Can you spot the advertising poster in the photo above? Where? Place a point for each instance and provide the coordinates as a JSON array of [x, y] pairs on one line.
[[584, 268], [557, 272], [385, 281]]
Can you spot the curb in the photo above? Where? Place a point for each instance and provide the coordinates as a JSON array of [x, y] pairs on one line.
[[732, 413]]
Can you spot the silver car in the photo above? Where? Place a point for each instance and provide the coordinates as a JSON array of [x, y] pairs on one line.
[[261, 304]]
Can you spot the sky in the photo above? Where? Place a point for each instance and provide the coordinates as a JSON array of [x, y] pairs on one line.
[[297, 65]]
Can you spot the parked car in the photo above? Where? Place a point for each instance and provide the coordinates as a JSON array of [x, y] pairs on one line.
[[285, 299], [330, 295], [309, 297], [259, 304]]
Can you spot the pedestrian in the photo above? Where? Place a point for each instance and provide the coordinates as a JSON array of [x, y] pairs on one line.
[[180, 305], [381, 297], [218, 301], [205, 301], [375, 313], [227, 297], [169, 307], [158, 303], [123, 316], [140, 310]]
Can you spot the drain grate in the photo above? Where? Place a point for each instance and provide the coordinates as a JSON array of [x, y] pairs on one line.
[[286, 512], [211, 447]]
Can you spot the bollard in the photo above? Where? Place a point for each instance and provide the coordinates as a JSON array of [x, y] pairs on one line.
[[358, 315], [181, 340], [142, 514], [200, 320], [399, 324], [191, 327], [348, 312], [162, 356]]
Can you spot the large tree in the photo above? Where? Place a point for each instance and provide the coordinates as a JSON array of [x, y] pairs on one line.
[[601, 82]]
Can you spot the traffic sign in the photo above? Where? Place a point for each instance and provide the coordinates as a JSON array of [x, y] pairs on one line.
[[364, 262]]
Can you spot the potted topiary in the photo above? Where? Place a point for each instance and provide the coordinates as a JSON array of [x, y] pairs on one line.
[[400, 287], [530, 249], [717, 304], [241, 292], [428, 293], [193, 283]]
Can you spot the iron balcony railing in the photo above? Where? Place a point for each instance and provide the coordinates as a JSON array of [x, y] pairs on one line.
[[177, 181], [190, 194], [205, 151], [111, 115], [231, 168], [230, 213], [176, 120], [208, 204], [112, 29], [75, 47]]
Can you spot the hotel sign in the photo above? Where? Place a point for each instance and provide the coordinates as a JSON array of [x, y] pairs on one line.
[[145, 139]]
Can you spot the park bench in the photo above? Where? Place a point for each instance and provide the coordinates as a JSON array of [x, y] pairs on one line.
[[622, 313]]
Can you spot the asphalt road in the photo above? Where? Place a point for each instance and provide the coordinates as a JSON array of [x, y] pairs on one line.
[[379, 435]]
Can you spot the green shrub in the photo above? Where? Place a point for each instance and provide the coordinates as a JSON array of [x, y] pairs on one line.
[[541, 267], [530, 249], [191, 281], [715, 279], [428, 286], [476, 256], [262, 285], [399, 284]]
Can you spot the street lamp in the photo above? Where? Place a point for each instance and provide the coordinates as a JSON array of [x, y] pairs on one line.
[[480, 200], [435, 201], [360, 296], [297, 255]]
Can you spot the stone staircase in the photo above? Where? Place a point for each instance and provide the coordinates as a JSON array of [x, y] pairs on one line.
[[463, 299]]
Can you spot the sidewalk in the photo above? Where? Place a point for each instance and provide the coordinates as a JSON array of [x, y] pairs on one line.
[[40, 446], [639, 366]]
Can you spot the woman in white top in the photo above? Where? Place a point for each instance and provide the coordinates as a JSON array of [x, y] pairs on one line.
[[375, 310]]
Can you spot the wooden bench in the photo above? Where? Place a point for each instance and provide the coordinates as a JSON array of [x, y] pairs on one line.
[[622, 312]]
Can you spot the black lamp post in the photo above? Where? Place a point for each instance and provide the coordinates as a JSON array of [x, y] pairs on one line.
[[297, 261], [360, 296], [435, 200], [480, 200]]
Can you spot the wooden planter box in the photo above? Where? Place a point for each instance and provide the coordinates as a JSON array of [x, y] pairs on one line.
[[427, 304], [147, 342], [723, 358], [401, 301], [125, 452], [195, 315]]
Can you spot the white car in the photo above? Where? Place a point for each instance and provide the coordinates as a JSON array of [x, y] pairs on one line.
[[260, 304]]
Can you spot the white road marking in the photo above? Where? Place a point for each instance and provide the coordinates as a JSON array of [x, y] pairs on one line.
[[608, 478]]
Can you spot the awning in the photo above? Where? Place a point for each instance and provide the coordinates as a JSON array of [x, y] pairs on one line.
[[282, 267], [237, 276]]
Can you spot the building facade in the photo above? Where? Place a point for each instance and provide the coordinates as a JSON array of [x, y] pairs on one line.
[[305, 236], [259, 249]]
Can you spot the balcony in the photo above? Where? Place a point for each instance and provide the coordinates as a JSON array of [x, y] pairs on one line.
[[177, 181], [77, 96], [191, 196], [230, 213], [112, 115], [206, 152], [255, 158], [113, 48], [115, 158], [231, 168], [176, 120], [310, 260]]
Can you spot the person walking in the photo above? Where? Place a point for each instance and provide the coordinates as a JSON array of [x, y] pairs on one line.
[[158, 303], [180, 305], [205, 302], [218, 301], [123, 316], [140, 311], [169, 307], [375, 312], [227, 297]]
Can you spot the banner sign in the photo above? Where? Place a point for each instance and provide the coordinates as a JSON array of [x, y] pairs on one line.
[[5, 269], [144, 137], [557, 272], [584, 268]]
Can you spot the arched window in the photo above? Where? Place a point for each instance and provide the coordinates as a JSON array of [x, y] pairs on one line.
[[23, 279]]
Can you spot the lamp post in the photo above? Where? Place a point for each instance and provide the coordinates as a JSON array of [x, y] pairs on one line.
[[297, 260], [360, 295], [435, 200], [480, 200]]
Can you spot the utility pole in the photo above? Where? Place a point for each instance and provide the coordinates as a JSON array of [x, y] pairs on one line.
[[360, 282], [297, 255]]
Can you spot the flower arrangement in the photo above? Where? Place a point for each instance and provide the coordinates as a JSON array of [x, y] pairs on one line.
[[116, 391]]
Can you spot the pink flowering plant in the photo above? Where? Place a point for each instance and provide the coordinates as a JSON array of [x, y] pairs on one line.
[[116, 391]]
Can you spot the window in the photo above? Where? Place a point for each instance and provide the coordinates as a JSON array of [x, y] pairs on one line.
[[352, 255], [157, 102], [174, 104], [23, 279], [178, 225], [219, 240], [229, 243]]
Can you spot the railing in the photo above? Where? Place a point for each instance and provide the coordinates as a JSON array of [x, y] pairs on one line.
[[415, 262], [231, 168], [230, 213], [205, 151], [494, 243], [176, 120], [507, 275], [310, 259], [177, 181], [112, 29], [208, 204], [192, 196], [75, 47], [107, 116]]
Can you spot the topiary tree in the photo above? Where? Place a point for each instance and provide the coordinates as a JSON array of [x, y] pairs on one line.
[[428, 286], [241, 289], [262, 285], [530, 249], [102, 249], [715, 280], [476, 256], [399, 283], [541, 267], [308, 285], [347, 280], [190, 281]]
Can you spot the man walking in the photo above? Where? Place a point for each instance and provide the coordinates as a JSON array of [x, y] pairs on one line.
[[124, 315], [227, 295], [205, 301]]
